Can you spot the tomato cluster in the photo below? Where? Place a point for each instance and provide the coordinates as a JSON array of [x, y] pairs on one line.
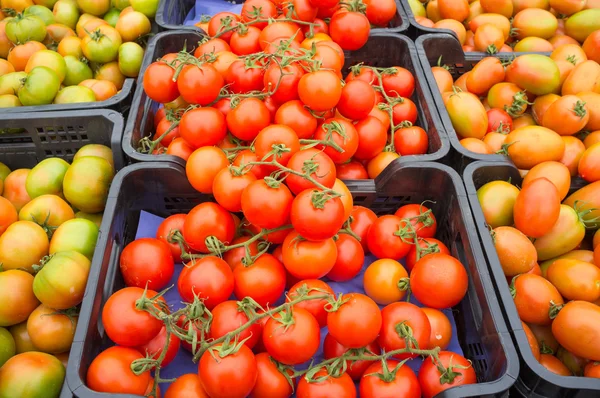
[[535, 109], [66, 52], [45, 255], [511, 25], [252, 346], [551, 266], [273, 91]]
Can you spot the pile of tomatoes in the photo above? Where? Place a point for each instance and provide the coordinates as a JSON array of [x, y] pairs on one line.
[[260, 88], [69, 51], [46, 250], [552, 267], [253, 344], [511, 25], [534, 109]]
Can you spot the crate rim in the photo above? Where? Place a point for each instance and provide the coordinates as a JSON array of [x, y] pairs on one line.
[[512, 317]]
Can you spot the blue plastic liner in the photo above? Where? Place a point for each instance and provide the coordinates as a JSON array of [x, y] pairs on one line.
[[183, 364], [210, 7]]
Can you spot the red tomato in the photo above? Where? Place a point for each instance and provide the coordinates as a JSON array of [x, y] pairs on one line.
[[159, 115], [294, 115], [421, 218], [324, 170], [276, 135], [111, 372], [499, 121], [401, 83], [166, 228], [213, 46], [349, 29], [247, 42], [220, 25], [380, 12], [234, 257], [283, 82], [227, 376], [263, 281], [372, 137], [350, 258], [180, 148], [270, 381], [358, 98], [147, 262], [439, 281], [320, 90], [411, 140], [302, 10], [188, 386], [124, 323], [227, 317], [356, 369], [209, 278], [431, 380], [208, 220], [295, 340], [246, 157], [315, 220], [342, 134], [409, 315], [166, 127], [258, 9], [355, 323], [339, 387], [266, 207], [199, 84], [241, 78], [362, 220], [156, 346], [404, 382], [308, 260], [159, 84], [405, 111], [352, 170], [247, 119], [228, 188], [203, 127], [383, 241], [427, 246], [315, 307]]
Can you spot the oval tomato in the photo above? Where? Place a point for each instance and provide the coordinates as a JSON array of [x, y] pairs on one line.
[[578, 316], [537, 208], [534, 297]]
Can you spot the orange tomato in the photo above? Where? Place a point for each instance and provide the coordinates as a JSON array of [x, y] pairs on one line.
[[533, 44], [454, 9], [541, 105], [554, 365], [103, 89], [523, 121], [508, 96], [497, 20], [441, 329], [516, 253], [428, 23], [575, 279], [19, 55], [6, 67], [535, 22], [562, 39], [537, 207], [531, 339], [443, 78], [574, 149], [556, 172], [468, 116], [8, 214], [476, 145], [5, 44], [223, 60], [577, 329], [488, 38], [380, 162], [532, 145], [520, 5], [569, 52], [502, 7], [488, 72], [382, 279], [589, 164], [592, 103], [112, 73], [433, 11], [567, 115], [592, 138], [461, 82], [585, 77], [14, 188], [591, 46], [494, 141], [454, 26], [567, 7], [534, 297]]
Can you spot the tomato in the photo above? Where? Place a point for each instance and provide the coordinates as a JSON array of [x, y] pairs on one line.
[[380, 13], [8, 214], [578, 316], [203, 165], [405, 111], [158, 82], [50, 332], [101, 45], [130, 59], [209, 278], [220, 25], [355, 369], [8, 346], [280, 29], [33, 374], [258, 9], [276, 136], [124, 323], [75, 94], [155, 347], [532, 145], [87, 182], [485, 74], [40, 87], [320, 90], [349, 29], [426, 247], [49, 59], [535, 73], [383, 241], [293, 344], [102, 89], [575, 279], [362, 220], [14, 188], [372, 138], [497, 199], [467, 114], [16, 289], [22, 245], [554, 365], [350, 258], [147, 262], [111, 372], [23, 28], [588, 200], [76, 71], [270, 380], [567, 115], [228, 188], [60, 284], [315, 220], [537, 207], [247, 119], [534, 296], [133, 26], [336, 134], [588, 164], [431, 380], [265, 206], [352, 170], [315, 307], [308, 260], [324, 170], [383, 280], [402, 381], [439, 281], [390, 338], [242, 78], [187, 385], [421, 218], [294, 115], [199, 84], [356, 322], [590, 47], [582, 24], [516, 253], [47, 211], [263, 281], [146, 7], [535, 22], [592, 369], [357, 100], [202, 127], [412, 140], [228, 316], [584, 77]]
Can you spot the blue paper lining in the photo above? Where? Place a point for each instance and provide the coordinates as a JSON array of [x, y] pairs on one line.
[[183, 364], [210, 7]]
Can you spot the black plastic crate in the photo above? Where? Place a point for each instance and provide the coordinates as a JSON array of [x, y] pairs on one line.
[[29, 137], [119, 102], [172, 13], [383, 49], [534, 379], [430, 48], [163, 189]]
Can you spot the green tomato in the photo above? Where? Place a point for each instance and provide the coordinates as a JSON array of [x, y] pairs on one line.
[[12, 82], [40, 87], [32, 374], [49, 4], [95, 218], [112, 17], [87, 182], [24, 28], [46, 178], [102, 45], [94, 7], [131, 56], [78, 234], [40, 11], [95, 150], [74, 95], [4, 171], [9, 101], [146, 7], [77, 71], [61, 282], [120, 4], [417, 8], [7, 346], [66, 13], [497, 199], [50, 59]]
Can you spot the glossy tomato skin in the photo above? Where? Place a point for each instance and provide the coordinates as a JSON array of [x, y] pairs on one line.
[[308, 260], [270, 381], [350, 258], [534, 296], [210, 278], [404, 383], [362, 220], [188, 386], [228, 188], [124, 323], [382, 279], [155, 347], [340, 387], [171, 224], [266, 207], [50, 332], [383, 243], [316, 223], [355, 369], [295, 344], [356, 323], [349, 29], [227, 317], [315, 307], [147, 262], [205, 220], [231, 376], [263, 281], [16, 287], [111, 372], [412, 316], [421, 218], [429, 375], [159, 84], [202, 127], [439, 281], [428, 246], [575, 327], [325, 173]]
